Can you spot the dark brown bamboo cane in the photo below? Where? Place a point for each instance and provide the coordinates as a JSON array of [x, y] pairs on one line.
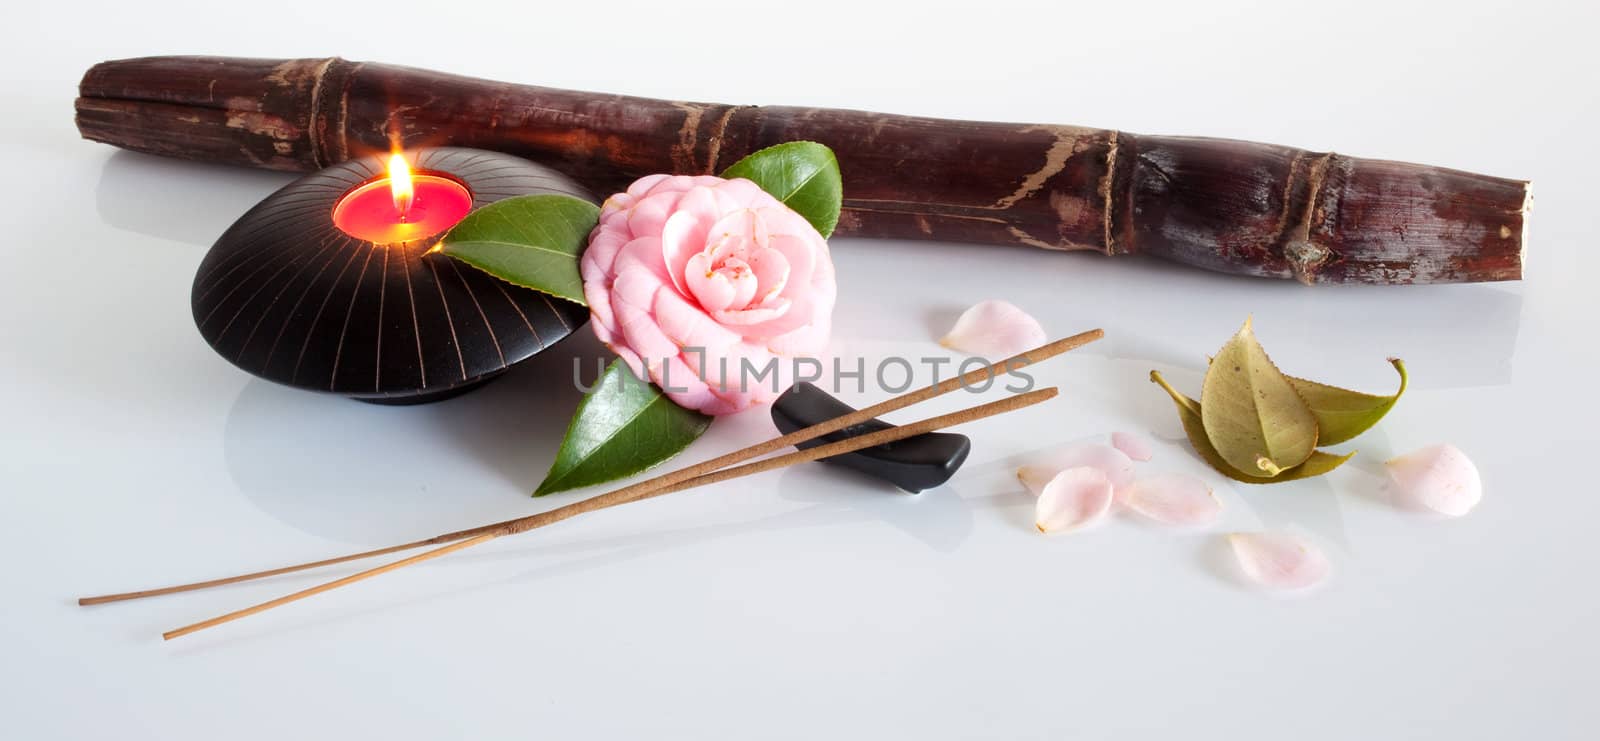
[[1230, 206]]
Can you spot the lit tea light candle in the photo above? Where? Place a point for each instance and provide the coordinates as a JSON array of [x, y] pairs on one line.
[[402, 206], [339, 266]]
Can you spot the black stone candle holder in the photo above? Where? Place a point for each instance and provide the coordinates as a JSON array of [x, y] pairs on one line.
[[287, 296]]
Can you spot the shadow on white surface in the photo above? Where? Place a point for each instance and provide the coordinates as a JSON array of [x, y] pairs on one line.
[[188, 202], [349, 471], [940, 319], [554, 560], [1214, 557], [939, 518]]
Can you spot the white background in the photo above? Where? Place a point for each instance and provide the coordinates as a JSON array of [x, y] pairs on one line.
[[812, 603]]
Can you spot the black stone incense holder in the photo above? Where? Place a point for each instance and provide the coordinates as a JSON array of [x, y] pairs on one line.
[[289, 297], [913, 464]]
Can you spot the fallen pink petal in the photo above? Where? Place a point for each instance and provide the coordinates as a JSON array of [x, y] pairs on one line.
[[1439, 478], [994, 330], [1035, 477], [1134, 446], [1115, 464], [1279, 560], [1174, 499], [1073, 499]]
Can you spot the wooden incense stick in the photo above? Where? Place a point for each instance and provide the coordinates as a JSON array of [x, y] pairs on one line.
[[642, 488], [612, 499], [85, 601]]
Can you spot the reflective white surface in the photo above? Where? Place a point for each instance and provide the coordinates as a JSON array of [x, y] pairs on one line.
[[812, 603]]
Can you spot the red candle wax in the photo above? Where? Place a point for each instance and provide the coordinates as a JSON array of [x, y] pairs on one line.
[[373, 211]]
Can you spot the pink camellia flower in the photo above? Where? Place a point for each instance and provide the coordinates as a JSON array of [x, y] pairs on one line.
[[709, 288]]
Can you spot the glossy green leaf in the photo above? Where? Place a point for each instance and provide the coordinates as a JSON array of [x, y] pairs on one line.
[[1251, 412], [1189, 413], [1343, 414], [622, 427], [804, 175], [532, 241]]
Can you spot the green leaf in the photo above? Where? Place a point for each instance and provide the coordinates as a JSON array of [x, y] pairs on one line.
[[622, 427], [532, 241], [1189, 413], [1251, 412], [804, 175], [1342, 414]]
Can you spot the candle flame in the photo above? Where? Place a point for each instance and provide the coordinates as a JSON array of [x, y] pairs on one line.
[[400, 183]]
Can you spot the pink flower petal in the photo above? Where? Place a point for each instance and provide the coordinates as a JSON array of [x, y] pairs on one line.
[[721, 246], [736, 235], [771, 312], [1034, 478], [1440, 478], [642, 252], [802, 255], [1072, 500], [635, 285], [771, 269], [806, 341], [689, 327], [709, 287], [677, 380], [748, 373], [706, 181], [815, 302], [1279, 560], [598, 295], [643, 185], [684, 236], [743, 279], [633, 300], [743, 192], [617, 220], [783, 220], [670, 184], [1175, 499], [1113, 463], [995, 330], [1133, 445], [617, 203], [604, 244], [649, 215], [634, 363]]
